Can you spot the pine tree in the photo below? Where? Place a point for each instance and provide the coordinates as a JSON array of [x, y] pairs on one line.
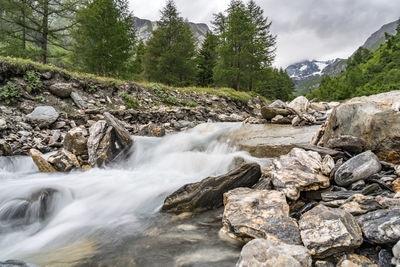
[[105, 37], [206, 60], [137, 64], [170, 52]]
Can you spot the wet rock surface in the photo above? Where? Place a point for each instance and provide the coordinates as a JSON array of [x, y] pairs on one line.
[[42, 164]]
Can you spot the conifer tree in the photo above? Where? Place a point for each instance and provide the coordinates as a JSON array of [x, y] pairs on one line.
[[170, 52], [206, 60]]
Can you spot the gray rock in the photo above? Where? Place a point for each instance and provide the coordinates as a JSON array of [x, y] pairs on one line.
[[300, 104], [359, 204], [396, 254], [96, 134], [43, 116], [253, 213], [381, 226], [279, 119], [79, 102], [64, 161], [358, 168], [3, 124], [278, 104], [208, 193], [268, 253], [269, 113], [182, 124], [355, 260], [75, 141], [327, 231], [5, 149], [62, 90], [348, 143], [328, 164], [122, 134]]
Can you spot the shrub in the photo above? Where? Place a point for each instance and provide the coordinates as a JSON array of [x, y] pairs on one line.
[[130, 100], [35, 85], [9, 93], [164, 96]]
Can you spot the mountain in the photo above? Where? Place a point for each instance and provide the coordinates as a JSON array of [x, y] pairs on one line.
[[146, 27], [377, 38]]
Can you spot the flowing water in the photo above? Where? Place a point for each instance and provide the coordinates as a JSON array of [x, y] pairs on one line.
[[110, 216]]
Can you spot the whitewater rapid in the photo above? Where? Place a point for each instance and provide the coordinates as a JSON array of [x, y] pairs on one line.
[[122, 199]]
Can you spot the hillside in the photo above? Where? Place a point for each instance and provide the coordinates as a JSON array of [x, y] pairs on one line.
[[367, 73]]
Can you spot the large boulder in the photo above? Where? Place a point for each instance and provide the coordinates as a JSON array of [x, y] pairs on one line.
[[375, 119], [64, 161], [75, 141], [327, 231], [43, 116], [251, 213], [348, 143], [208, 193], [101, 144], [269, 253], [42, 164], [358, 168], [62, 90], [123, 135], [381, 226], [298, 171], [96, 133], [79, 102], [300, 104], [269, 113]]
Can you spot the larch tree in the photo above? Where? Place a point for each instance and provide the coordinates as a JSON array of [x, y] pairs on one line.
[[206, 60]]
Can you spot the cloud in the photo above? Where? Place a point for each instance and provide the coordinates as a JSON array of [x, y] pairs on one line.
[[306, 29]]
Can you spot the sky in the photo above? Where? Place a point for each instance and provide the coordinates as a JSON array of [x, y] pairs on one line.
[[305, 29]]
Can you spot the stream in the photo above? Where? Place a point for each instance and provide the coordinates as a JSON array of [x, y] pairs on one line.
[[110, 216]]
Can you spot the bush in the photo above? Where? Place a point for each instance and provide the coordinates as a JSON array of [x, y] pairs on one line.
[[130, 100], [35, 85], [164, 96], [9, 93]]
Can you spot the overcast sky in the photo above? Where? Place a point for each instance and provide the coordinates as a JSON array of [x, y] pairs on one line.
[[306, 29]]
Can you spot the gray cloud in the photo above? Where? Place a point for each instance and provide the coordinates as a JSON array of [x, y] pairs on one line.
[[306, 29]]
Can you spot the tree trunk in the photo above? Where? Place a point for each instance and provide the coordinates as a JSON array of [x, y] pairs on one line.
[[23, 26], [45, 31]]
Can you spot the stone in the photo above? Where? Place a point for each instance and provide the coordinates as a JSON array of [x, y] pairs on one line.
[[348, 143], [321, 263], [62, 90], [122, 134], [251, 213], [396, 185], [40, 162], [319, 106], [358, 168], [3, 124], [269, 253], [279, 119], [371, 118], [75, 141], [381, 226], [106, 150], [208, 193], [278, 104], [300, 104], [182, 124], [16, 263], [5, 149], [354, 260], [296, 121], [151, 130], [64, 161], [43, 116], [396, 254], [269, 113], [328, 164], [96, 133], [327, 231], [359, 204], [298, 171], [79, 102]]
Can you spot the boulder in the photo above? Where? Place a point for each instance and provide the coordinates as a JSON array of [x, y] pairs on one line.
[[327, 231], [79, 102], [371, 118], [269, 113], [328, 164], [43, 116], [96, 133], [3, 124], [75, 141], [355, 260], [64, 161], [269, 253], [381, 226], [300, 104], [319, 106], [358, 168], [122, 134], [106, 150], [396, 254], [348, 143], [298, 171], [62, 90], [208, 193], [279, 119], [5, 149], [183, 124], [40, 162], [251, 213], [151, 130], [278, 104]]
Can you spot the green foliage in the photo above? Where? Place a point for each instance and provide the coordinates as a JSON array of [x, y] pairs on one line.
[[9, 93], [162, 93], [92, 88], [169, 54], [130, 100], [32, 78], [367, 74], [104, 38], [277, 85], [206, 60], [40, 98]]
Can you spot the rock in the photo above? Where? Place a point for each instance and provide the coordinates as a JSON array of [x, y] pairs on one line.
[[79, 102], [348, 143], [354, 260], [319, 106], [359, 204], [384, 258], [278, 104], [279, 119], [396, 254], [182, 124], [358, 168], [122, 134], [151, 130], [336, 195], [208, 193], [16, 263], [268, 253], [300, 104], [62, 90], [96, 133], [371, 118], [269, 113], [298, 171], [328, 164], [43, 116], [296, 121], [64, 161], [327, 231], [3, 124], [40, 162], [381, 226], [320, 263], [75, 141], [5, 149], [395, 184], [106, 150], [253, 213]]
